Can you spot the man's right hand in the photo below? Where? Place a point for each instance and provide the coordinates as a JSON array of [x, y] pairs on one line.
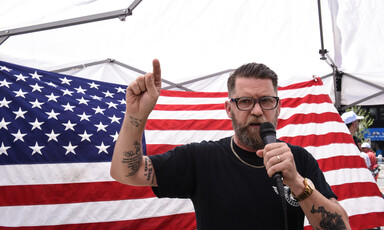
[[142, 94], [129, 166]]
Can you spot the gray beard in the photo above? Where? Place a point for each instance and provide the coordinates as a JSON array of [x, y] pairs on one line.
[[250, 139]]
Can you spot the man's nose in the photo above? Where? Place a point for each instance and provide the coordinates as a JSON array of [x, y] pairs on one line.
[[257, 110]]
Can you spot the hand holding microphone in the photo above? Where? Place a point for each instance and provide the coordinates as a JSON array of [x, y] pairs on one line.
[[268, 135], [278, 158]]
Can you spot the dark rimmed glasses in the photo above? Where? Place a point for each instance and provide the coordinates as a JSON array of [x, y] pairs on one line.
[[247, 103]]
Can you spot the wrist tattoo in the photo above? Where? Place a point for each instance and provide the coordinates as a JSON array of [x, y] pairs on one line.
[[329, 220], [133, 159], [135, 121]]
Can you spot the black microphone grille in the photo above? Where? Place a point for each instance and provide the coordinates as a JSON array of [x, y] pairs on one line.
[[266, 129]]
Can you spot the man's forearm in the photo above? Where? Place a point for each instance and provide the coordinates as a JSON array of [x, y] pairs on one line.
[[323, 213], [127, 156]]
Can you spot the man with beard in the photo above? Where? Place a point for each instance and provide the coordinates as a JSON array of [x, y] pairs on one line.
[[229, 181]]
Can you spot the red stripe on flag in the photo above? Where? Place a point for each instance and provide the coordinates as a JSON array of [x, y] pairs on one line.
[[355, 190], [190, 107], [304, 84], [363, 221], [318, 140], [70, 193], [297, 119], [309, 99], [340, 162], [366, 221], [171, 124], [153, 149], [179, 221], [170, 93]]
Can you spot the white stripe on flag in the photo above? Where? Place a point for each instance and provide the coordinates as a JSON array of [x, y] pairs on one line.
[[179, 137], [304, 109], [301, 92], [189, 115], [333, 150], [190, 100], [362, 205], [308, 129], [92, 212], [348, 175], [54, 173]]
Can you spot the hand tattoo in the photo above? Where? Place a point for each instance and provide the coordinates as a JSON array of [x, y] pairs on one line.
[[332, 221]]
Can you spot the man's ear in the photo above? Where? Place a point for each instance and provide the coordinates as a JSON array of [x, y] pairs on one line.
[[228, 108], [279, 108]]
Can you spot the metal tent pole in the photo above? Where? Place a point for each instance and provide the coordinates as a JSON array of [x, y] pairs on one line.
[[121, 14]]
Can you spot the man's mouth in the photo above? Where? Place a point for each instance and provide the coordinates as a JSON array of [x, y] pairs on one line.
[[254, 124]]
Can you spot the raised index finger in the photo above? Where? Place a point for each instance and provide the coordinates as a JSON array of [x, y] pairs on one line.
[[157, 72]]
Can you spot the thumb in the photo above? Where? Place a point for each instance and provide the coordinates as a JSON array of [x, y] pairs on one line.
[[260, 153]]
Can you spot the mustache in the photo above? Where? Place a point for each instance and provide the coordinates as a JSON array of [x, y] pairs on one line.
[[254, 121]]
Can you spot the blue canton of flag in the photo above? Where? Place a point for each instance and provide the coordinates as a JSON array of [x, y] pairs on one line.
[[53, 118]]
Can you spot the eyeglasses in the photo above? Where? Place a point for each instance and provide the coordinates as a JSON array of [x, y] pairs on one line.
[[247, 103]]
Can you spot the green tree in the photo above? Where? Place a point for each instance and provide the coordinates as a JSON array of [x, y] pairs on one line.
[[364, 123]]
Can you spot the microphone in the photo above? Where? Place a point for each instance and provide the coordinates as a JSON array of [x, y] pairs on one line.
[[268, 135]]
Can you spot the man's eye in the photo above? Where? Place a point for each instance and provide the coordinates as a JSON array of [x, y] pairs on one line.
[[245, 101], [266, 100]]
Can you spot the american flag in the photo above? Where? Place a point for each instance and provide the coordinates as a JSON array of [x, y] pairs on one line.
[[58, 133]]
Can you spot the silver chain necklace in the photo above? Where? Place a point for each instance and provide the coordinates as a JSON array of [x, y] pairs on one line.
[[238, 157]]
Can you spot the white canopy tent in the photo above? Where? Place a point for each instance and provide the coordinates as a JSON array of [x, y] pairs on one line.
[[203, 40]]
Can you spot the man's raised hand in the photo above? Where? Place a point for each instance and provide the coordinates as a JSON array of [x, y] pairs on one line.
[[142, 94]]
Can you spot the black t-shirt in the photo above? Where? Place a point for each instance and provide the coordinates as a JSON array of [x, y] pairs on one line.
[[226, 193]]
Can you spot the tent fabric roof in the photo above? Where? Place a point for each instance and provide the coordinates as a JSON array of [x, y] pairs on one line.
[[194, 39]]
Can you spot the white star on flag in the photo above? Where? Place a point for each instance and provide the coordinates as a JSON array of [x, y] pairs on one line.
[[36, 148], [70, 148], [36, 124], [20, 77], [99, 110], [36, 103], [52, 136], [5, 83], [115, 119], [18, 136], [85, 136], [36, 76], [3, 149], [102, 148], [67, 92], [52, 97], [52, 114], [20, 113], [101, 126], [69, 125], [4, 103], [84, 116], [68, 107], [83, 101], [65, 81], [3, 124], [36, 87], [20, 93]]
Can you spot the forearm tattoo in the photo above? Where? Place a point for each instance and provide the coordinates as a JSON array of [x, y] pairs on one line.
[[329, 220], [133, 159], [148, 170], [135, 121]]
